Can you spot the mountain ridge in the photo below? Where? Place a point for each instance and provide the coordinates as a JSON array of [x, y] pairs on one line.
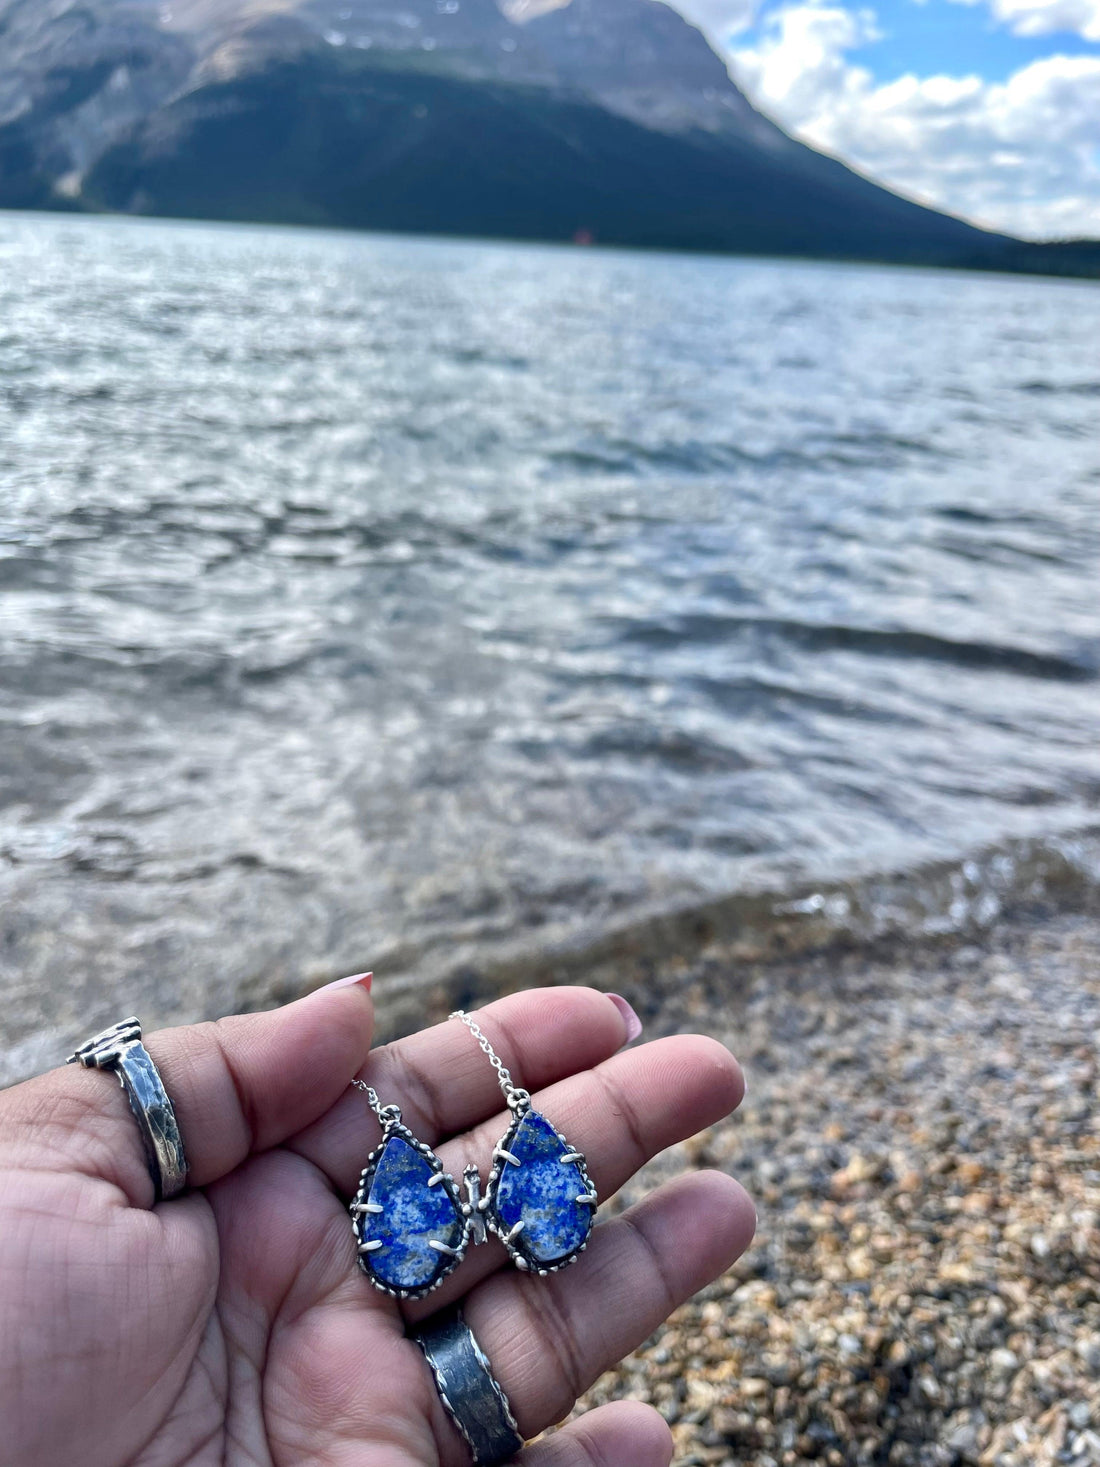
[[611, 120]]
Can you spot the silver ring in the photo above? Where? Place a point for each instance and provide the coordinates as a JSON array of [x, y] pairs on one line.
[[120, 1049], [475, 1402]]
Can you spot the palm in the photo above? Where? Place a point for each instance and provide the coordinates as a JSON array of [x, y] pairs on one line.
[[231, 1325], [249, 1383]]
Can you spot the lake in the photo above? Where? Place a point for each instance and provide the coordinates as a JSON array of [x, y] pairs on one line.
[[369, 601]]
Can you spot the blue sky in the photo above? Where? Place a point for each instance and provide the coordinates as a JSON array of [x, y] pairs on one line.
[[989, 108], [942, 36]]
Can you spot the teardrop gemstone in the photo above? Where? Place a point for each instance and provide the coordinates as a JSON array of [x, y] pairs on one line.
[[540, 1190], [413, 1215]]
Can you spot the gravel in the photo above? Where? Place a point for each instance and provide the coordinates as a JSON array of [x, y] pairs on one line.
[[922, 1140]]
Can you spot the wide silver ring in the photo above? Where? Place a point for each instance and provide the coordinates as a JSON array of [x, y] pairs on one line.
[[474, 1400], [120, 1049]]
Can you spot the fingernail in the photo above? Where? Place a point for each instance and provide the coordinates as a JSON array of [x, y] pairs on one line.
[[363, 978], [630, 1018]]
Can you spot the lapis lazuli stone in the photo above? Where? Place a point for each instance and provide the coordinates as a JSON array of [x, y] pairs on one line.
[[541, 1191], [413, 1215]]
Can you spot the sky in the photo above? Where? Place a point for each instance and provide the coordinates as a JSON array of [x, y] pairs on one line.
[[987, 108]]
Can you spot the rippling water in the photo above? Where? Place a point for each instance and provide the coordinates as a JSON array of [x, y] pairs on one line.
[[371, 601]]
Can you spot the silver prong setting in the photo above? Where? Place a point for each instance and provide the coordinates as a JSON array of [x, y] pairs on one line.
[[371, 1246], [506, 1156]]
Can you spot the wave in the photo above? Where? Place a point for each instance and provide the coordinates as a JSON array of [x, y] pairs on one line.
[[1042, 388], [703, 628], [691, 456]]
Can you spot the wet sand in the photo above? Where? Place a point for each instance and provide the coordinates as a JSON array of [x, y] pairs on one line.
[[921, 1136]]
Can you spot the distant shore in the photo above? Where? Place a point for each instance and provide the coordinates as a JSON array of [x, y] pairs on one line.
[[921, 1137]]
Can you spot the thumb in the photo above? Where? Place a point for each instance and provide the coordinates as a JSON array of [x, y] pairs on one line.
[[238, 1085]]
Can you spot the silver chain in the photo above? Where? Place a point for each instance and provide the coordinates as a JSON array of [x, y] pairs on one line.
[[388, 1115], [518, 1099], [515, 1095]]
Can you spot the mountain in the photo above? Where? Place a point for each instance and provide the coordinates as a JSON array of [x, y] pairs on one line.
[[610, 120]]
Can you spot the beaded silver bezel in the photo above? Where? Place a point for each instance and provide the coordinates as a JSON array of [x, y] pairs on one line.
[[359, 1216], [519, 1255]]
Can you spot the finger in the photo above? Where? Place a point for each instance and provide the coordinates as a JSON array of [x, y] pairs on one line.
[[444, 1084], [549, 1339], [620, 1434], [619, 1115], [239, 1085]]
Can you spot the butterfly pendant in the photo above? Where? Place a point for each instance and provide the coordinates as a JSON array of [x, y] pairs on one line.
[[412, 1225]]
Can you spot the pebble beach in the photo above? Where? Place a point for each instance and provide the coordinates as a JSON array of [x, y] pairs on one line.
[[921, 1137]]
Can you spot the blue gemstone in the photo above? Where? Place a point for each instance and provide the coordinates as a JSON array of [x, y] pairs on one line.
[[413, 1214], [541, 1191]]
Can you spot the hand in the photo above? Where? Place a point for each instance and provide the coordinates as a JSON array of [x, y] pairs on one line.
[[232, 1325]]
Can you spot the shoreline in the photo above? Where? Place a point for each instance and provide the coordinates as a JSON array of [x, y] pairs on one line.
[[779, 930], [921, 1138], [943, 903]]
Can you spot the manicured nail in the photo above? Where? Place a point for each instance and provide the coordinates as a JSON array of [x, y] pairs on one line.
[[630, 1018], [363, 978]]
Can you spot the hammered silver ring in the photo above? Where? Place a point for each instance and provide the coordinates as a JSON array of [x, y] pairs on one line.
[[474, 1399], [120, 1050]]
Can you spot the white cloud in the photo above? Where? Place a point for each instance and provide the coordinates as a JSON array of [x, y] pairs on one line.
[[799, 64], [1043, 17], [1022, 155]]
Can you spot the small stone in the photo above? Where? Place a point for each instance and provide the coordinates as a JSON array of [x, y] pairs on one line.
[[1004, 1362], [964, 1439]]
